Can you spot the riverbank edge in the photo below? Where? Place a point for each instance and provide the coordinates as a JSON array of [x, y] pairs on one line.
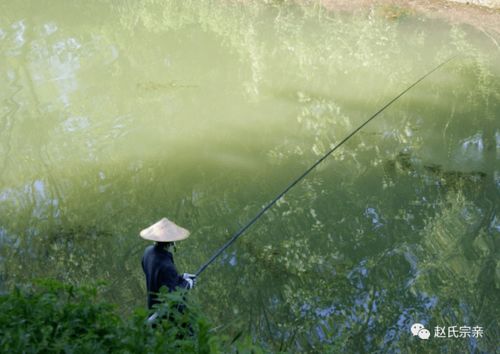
[[485, 19]]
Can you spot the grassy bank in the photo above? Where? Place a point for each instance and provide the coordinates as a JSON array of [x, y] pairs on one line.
[[51, 317]]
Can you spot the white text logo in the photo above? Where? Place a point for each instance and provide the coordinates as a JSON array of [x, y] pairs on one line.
[[418, 329]]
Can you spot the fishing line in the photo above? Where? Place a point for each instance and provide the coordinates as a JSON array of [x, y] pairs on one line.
[[240, 232]]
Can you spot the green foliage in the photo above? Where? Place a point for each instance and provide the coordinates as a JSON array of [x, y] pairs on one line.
[[51, 317]]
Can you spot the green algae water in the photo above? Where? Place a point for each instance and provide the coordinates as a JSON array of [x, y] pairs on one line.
[[114, 115]]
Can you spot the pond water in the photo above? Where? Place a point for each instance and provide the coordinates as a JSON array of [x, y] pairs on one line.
[[115, 115]]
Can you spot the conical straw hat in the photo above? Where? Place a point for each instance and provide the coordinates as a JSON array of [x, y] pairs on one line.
[[164, 231]]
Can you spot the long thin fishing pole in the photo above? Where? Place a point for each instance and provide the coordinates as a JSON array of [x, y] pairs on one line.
[[298, 179]]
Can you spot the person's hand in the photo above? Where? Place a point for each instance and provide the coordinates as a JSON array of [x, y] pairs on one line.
[[190, 278]]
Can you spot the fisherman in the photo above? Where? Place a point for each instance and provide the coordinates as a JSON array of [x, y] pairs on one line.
[[158, 262]]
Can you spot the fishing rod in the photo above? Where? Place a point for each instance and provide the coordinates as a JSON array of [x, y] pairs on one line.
[[240, 232]]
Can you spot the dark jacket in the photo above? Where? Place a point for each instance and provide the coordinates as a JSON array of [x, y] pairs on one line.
[[159, 268]]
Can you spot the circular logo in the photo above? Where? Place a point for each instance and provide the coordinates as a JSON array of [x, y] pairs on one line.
[[418, 329]]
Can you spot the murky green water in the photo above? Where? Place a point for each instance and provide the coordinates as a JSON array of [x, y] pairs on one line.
[[115, 115]]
